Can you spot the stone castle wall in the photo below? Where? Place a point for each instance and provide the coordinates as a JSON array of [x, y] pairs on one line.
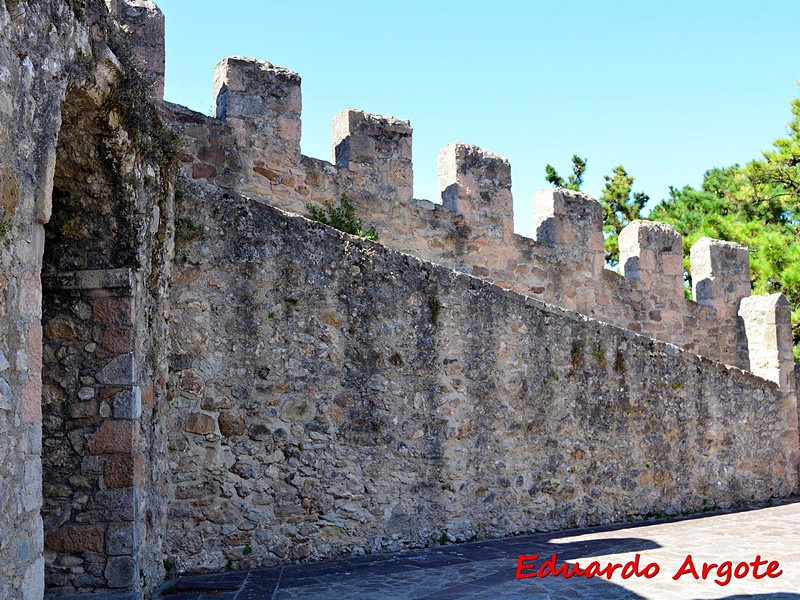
[[323, 394], [254, 148], [29, 119], [86, 209], [331, 396]]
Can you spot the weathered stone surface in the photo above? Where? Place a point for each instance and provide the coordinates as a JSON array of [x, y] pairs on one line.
[[472, 231], [119, 471], [115, 437], [720, 275], [128, 404], [144, 24], [6, 396], [121, 572], [74, 539], [365, 400], [119, 371], [9, 190], [199, 423], [652, 253], [231, 425], [120, 539], [767, 321], [418, 408], [477, 184]]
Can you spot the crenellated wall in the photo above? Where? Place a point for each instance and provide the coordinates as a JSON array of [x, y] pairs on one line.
[[253, 147], [233, 385], [334, 396]]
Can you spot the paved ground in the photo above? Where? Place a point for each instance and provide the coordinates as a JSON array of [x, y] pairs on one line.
[[488, 569]]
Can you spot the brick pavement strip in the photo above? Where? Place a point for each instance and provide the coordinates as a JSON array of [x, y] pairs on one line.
[[488, 569]]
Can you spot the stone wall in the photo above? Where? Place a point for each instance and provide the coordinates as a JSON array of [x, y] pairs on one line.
[[37, 41], [85, 197], [322, 394], [254, 148], [331, 396]]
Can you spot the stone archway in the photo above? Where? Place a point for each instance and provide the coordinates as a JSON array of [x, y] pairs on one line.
[[87, 319], [102, 315]]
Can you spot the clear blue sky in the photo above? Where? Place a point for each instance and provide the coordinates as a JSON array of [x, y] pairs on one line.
[[667, 89]]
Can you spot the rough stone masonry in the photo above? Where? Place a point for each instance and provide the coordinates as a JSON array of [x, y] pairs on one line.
[[193, 378]]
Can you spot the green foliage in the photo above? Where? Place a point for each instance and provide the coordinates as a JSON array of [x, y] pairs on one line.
[[248, 550], [342, 217], [574, 181], [600, 355], [66, 230], [620, 206], [185, 229], [757, 206], [152, 138], [6, 223], [436, 308]]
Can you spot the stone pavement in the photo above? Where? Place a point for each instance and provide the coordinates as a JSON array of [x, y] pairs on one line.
[[488, 569]]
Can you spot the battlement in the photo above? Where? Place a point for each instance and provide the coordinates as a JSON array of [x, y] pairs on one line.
[[188, 376], [254, 147]]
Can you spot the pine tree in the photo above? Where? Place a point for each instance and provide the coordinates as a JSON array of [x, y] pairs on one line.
[[574, 181], [757, 206], [620, 206]]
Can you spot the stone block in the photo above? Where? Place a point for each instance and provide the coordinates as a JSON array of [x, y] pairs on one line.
[[231, 425], [122, 538], [571, 223], [266, 101], [720, 275], [115, 437], [144, 24], [200, 423], [114, 498], [249, 88], [477, 184], [93, 279], [119, 371], [376, 146], [123, 471], [31, 492], [32, 400], [127, 404], [121, 572], [75, 539], [83, 410], [652, 253], [33, 581], [30, 297], [768, 330], [113, 311]]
